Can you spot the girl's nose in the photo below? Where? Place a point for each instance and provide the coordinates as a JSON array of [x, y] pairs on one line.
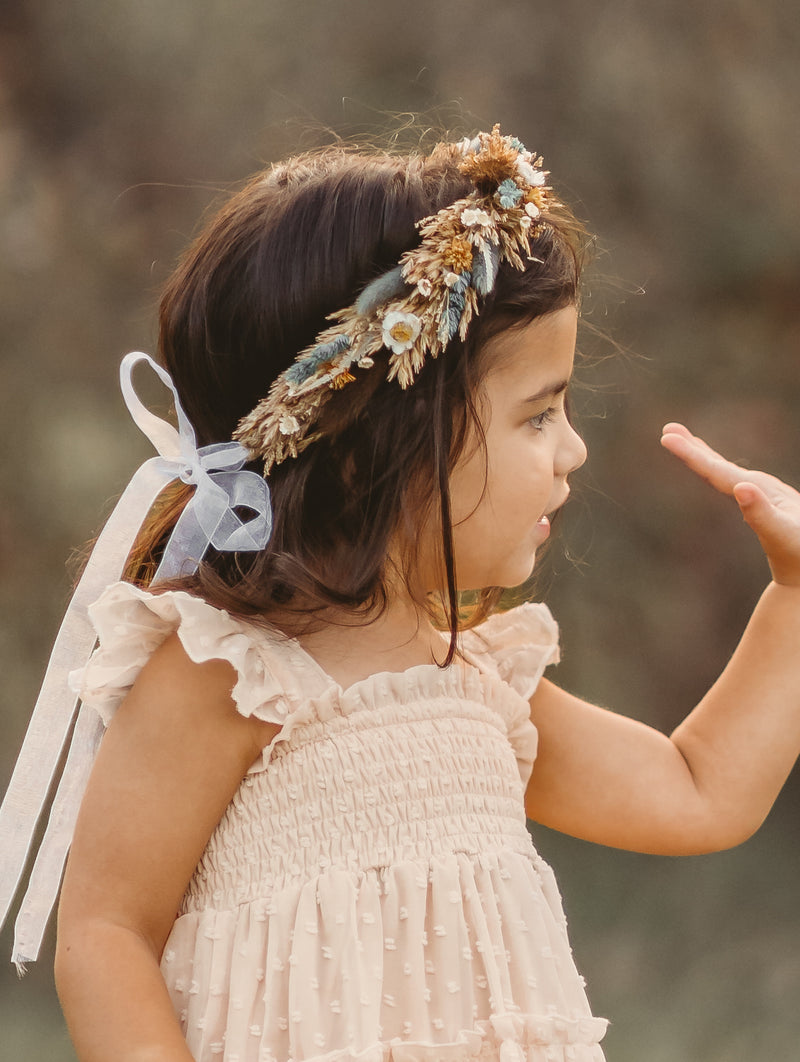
[[572, 452]]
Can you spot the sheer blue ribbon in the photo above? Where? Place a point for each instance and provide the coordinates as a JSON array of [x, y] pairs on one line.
[[210, 519]]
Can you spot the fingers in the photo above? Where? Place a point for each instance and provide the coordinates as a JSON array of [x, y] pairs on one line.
[[697, 455], [754, 504], [777, 529], [673, 428], [749, 496], [770, 508], [681, 431], [760, 511]]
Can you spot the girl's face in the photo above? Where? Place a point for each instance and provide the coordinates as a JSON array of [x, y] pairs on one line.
[[502, 495]]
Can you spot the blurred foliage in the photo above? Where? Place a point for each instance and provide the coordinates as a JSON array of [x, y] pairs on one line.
[[672, 128]]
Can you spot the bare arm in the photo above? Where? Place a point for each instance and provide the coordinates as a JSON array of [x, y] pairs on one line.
[[168, 765], [612, 780]]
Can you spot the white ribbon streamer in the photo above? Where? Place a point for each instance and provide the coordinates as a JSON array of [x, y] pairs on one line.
[[209, 519]]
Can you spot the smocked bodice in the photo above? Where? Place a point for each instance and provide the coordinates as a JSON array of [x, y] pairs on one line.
[[402, 781]]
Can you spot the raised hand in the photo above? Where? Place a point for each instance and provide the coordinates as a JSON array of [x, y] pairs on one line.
[[769, 506]]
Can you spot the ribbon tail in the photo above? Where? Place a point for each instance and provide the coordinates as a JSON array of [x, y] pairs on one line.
[[45, 879], [55, 707], [185, 548]]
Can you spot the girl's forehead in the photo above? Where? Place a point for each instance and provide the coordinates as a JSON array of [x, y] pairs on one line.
[[542, 348]]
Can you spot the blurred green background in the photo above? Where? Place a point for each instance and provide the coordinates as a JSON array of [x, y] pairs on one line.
[[672, 128]]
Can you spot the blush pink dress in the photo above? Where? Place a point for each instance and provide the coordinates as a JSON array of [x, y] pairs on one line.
[[371, 893]]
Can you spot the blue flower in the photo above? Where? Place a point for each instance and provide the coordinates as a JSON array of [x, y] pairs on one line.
[[508, 194]]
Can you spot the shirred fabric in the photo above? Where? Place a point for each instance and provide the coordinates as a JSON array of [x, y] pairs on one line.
[[371, 893]]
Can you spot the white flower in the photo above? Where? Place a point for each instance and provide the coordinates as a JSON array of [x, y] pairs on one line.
[[366, 362], [532, 210], [451, 279], [524, 222], [424, 287], [400, 330], [469, 144], [535, 178], [288, 424], [472, 217]]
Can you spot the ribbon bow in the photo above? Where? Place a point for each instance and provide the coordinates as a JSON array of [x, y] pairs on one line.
[[209, 519]]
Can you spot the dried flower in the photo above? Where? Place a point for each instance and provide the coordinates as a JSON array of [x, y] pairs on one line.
[[341, 380], [323, 354], [400, 330], [476, 218], [288, 425], [405, 375], [508, 194], [535, 178], [451, 318], [485, 265], [458, 253], [493, 161]]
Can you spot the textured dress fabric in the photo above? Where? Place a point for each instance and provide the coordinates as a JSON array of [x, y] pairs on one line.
[[371, 892]]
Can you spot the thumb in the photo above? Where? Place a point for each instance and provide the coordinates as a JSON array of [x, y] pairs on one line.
[[754, 505]]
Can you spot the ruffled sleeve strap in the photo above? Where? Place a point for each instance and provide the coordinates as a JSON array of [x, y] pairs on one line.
[[521, 643], [517, 646], [132, 623]]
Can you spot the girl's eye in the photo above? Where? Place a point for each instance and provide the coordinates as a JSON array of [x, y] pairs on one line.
[[541, 419]]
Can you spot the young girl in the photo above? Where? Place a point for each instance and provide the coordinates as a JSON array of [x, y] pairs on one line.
[[304, 835]]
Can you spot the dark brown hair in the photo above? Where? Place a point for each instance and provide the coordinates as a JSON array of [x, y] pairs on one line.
[[297, 243]]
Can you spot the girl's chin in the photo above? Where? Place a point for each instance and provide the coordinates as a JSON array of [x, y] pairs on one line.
[[506, 577]]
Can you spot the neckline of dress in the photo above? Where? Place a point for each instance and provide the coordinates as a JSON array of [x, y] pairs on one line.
[[468, 665]]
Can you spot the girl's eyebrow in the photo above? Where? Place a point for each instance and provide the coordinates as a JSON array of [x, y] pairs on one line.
[[549, 391]]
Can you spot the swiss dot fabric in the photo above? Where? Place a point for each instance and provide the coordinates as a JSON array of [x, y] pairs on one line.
[[371, 893]]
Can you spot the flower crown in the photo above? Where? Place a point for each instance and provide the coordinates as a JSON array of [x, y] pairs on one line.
[[416, 308]]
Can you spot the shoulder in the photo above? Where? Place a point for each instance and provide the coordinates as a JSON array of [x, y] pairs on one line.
[[170, 673], [173, 643], [177, 693]]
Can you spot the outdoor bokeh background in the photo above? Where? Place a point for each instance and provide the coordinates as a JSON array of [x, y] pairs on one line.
[[673, 128]]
